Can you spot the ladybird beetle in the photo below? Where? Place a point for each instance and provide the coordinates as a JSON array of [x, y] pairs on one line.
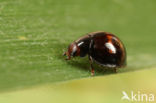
[[101, 47]]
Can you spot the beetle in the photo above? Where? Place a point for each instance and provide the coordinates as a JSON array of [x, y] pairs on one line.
[[103, 48]]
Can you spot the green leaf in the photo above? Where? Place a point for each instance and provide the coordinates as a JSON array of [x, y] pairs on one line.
[[35, 33], [103, 89]]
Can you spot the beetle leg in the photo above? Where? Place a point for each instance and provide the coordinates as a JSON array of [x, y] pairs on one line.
[[91, 66], [68, 58], [92, 70], [115, 70]]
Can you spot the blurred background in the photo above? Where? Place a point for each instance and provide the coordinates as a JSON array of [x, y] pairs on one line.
[[35, 33]]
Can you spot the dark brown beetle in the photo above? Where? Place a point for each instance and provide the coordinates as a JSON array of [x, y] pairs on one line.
[[101, 47]]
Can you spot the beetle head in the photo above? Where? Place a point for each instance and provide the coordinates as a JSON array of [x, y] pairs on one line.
[[73, 50]]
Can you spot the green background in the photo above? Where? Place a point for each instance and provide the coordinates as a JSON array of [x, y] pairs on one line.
[[35, 33]]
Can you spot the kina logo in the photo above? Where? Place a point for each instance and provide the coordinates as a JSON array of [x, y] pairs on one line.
[[138, 96]]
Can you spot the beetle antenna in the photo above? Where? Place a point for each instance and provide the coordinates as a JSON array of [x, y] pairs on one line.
[[64, 54]]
